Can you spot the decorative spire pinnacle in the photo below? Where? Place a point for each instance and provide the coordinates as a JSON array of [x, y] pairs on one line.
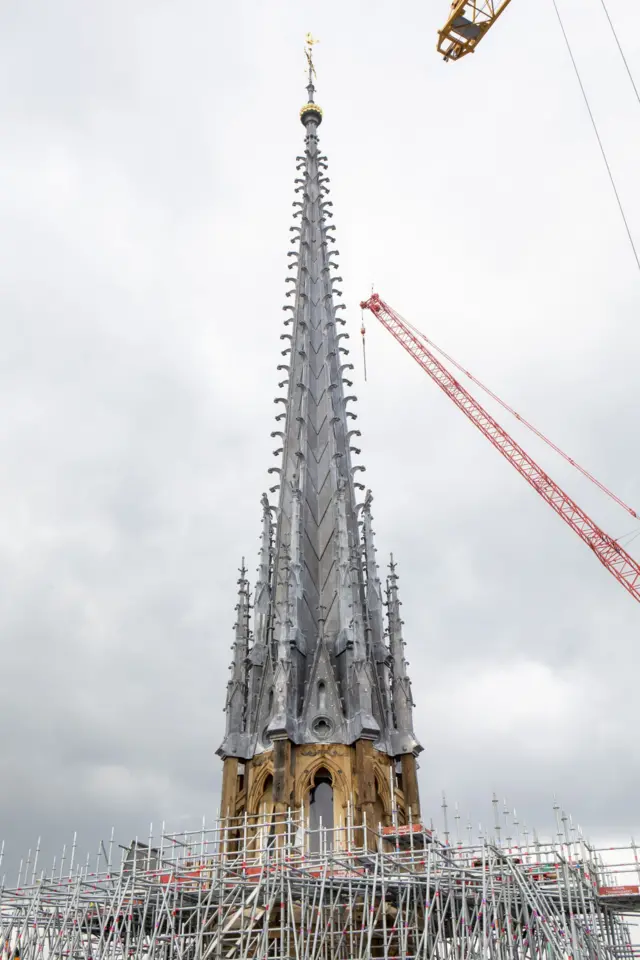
[[400, 684], [308, 52], [236, 703], [378, 649]]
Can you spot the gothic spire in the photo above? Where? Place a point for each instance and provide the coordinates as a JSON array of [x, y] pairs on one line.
[[320, 667], [317, 558]]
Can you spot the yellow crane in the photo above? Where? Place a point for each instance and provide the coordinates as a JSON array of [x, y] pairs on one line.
[[468, 22]]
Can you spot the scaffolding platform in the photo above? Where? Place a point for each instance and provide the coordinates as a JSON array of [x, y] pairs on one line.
[[623, 898], [407, 834], [270, 887]]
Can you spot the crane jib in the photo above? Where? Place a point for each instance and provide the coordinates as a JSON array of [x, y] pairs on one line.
[[610, 554]]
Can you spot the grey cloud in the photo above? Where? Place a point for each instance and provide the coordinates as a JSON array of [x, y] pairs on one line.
[[146, 190]]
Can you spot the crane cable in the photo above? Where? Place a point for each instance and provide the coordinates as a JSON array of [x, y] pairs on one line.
[[364, 349], [595, 128], [624, 59], [522, 420]]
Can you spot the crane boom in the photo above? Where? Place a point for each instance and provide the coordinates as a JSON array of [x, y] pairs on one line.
[[468, 22], [610, 554]]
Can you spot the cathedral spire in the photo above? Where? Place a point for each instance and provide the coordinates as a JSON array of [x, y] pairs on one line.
[[320, 670]]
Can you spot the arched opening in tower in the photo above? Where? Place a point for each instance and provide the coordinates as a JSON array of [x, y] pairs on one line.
[[321, 812], [266, 803], [267, 829], [378, 811]]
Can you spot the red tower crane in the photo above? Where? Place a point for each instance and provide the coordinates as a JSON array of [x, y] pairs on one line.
[[610, 554]]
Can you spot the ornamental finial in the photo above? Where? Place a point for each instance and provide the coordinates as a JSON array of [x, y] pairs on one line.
[[308, 52], [310, 111]]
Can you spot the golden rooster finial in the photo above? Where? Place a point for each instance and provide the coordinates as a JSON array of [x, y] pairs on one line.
[[310, 42]]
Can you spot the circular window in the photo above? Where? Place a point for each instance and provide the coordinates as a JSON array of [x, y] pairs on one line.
[[322, 727], [266, 737]]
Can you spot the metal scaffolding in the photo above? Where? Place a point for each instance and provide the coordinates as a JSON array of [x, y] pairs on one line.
[[269, 887]]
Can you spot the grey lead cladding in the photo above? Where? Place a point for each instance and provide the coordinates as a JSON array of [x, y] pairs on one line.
[[319, 666]]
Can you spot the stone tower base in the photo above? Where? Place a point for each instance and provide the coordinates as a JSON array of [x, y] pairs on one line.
[[369, 782]]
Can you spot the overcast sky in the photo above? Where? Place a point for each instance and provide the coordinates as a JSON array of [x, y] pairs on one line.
[[146, 188]]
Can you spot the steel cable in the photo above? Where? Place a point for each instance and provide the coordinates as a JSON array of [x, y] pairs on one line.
[[624, 59], [595, 129], [521, 419]]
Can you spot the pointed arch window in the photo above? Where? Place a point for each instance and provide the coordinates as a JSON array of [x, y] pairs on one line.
[[270, 701], [321, 812], [322, 695], [266, 821], [266, 802], [378, 811]]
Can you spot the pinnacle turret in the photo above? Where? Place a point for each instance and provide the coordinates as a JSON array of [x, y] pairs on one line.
[[401, 696], [378, 649], [236, 702]]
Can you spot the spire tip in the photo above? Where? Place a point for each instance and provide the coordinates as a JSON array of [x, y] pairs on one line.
[[310, 111]]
